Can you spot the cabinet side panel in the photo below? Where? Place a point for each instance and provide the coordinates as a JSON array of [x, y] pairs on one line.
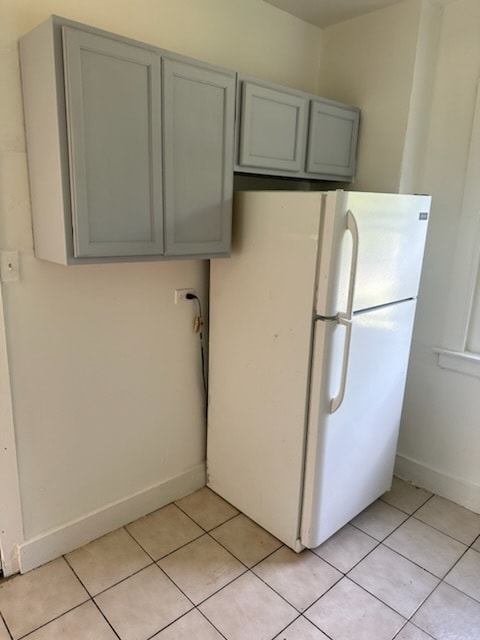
[[46, 146]]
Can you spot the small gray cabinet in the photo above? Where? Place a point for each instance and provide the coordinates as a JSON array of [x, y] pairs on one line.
[[272, 129], [130, 148], [198, 116], [284, 132], [332, 139]]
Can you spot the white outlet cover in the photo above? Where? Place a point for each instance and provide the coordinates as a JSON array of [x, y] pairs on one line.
[[9, 269]]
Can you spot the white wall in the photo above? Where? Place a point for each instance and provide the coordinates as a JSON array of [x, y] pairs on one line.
[[370, 62], [413, 69], [440, 436], [104, 367]]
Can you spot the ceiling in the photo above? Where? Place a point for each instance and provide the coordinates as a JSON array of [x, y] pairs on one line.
[[324, 13]]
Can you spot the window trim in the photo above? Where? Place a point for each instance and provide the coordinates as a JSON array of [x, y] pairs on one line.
[[454, 354]]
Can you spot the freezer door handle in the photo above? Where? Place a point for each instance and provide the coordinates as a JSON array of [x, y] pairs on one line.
[[338, 399], [353, 228]]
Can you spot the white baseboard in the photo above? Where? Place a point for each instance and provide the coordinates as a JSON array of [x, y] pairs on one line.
[[56, 542], [456, 489]]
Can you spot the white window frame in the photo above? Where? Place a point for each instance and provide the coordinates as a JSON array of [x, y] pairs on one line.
[[455, 354]]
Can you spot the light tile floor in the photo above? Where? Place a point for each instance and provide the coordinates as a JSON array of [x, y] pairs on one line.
[[408, 568]]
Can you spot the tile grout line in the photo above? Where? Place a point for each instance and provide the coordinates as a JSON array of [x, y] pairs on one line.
[[6, 626], [92, 597], [434, 495], [60, 615], [444, 532], [166, 555], [250, 569], [396, 636], [344, 575], [301, 616], [152, 564], [102, 591], [211, 623], [381, 543], [409, 516]]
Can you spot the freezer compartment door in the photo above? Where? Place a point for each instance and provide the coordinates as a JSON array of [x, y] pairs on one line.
[[351, 447], [387, 233]]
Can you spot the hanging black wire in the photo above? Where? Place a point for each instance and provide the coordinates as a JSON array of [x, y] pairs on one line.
[[198, 327]]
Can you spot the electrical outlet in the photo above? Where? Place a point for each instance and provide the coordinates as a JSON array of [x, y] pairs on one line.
[[9, 270], [181, 295]]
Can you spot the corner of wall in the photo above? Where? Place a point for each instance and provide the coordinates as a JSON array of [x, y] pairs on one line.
[[421, 97]]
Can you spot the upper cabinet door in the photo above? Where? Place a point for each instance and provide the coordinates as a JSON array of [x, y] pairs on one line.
[[272, 129], [332, 139], [114, 137], [198, 119]]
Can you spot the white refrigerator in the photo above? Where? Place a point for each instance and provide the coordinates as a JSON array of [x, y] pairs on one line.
[[310, 329]]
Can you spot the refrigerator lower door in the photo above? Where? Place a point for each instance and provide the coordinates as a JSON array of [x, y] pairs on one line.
[[350, 453]]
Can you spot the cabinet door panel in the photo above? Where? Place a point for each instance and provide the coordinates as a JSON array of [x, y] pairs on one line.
[[332, 139], [272, 129], [198, 152], [113, 115]]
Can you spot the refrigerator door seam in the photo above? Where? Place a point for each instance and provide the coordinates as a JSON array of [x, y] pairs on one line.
[[358, 312]]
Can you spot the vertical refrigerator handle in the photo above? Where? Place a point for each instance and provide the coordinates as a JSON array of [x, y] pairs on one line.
[[338, 399], [345, 318], [353, 228]]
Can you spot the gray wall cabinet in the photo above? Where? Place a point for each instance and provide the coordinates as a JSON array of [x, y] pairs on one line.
[[130, 148], [113, 122], [332, 139], [198, 116], [283, 132], [272, 133]]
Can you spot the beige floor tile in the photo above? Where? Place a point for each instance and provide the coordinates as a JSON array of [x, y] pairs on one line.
[[29, 601], [300, 578], [379, 520], [246, 540], [201, 568], [143, 604], [301, 629], [394, 580], [406, 496], [164, 531], [410, 632], [192, 626], [206, 508], [347, 612], [465, 575], [3, 631], [346, 548], [449, 615], [108, 560], [248, 609], [83, 623], [451, 518], [427, 547], [476, 544]]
